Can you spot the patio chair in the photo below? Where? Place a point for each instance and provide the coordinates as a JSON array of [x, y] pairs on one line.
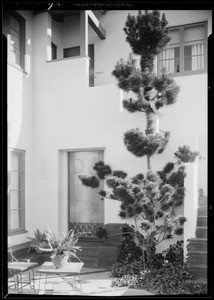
[[18, 268]]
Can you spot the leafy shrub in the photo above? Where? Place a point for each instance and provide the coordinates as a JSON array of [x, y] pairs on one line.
[[120, 269], [128, 274], [101, 232], [175, 253], [171, 280], [167, 275], [129, 251]]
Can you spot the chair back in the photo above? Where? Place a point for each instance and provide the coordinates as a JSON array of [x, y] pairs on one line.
[[10, 252]]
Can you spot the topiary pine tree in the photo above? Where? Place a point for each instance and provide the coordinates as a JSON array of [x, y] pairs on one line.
[[150, 198]]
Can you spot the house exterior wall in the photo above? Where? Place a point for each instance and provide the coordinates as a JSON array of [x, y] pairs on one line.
[[193, 87], [20, 100], [61, 112]]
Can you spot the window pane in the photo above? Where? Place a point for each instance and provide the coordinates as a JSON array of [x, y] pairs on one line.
[[17, 161], [170, 59], [70, 52], [15, 39], [194, 33], [53, 51], [15, 24], [14, 200], [194, 57], [187, 64], [187, 51], [16, 180], [14, 219], [174, 34]]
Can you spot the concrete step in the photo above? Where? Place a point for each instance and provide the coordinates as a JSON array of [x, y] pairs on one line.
[[89, 239], [90, 251], [202, 211], [199, 273], [202, 201], [201, 232], [198, 244], [89, 262], [202, 221], [197, 259]]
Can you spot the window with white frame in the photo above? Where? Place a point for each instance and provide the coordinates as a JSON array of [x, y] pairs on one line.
[[16, 191], [186, 51]]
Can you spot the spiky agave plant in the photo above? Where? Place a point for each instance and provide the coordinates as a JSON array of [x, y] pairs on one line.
[[65, 245]]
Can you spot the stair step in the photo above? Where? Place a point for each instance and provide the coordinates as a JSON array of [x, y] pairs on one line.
[[198, 244], [199, 273], [90, 262], [202, 211], [201, 232], [197, 259], [202, 221], [89, 239], [202, 201], [90, 251]]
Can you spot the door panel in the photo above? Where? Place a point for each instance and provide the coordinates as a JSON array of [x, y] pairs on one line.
[[85, 206]]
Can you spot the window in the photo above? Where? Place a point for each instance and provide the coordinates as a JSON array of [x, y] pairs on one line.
[[186, 51], [16, 191], [53, 51], [71, 52], [16, 40]]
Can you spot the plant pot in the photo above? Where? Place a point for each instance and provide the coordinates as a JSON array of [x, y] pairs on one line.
[[59, 262]]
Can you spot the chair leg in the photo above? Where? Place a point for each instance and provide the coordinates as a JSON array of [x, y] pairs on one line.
[[80, 283], [21, 282]]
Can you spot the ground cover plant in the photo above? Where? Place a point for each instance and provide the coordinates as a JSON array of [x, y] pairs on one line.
[[167, 275]]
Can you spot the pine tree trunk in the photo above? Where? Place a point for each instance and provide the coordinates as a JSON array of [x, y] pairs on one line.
[[148, 162], [149, 130]]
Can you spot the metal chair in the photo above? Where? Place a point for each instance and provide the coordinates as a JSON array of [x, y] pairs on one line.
[[18, 268]]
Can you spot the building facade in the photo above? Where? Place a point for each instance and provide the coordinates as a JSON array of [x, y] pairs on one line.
[[65, 112]]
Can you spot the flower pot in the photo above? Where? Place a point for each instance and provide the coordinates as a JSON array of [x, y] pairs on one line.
[[59, 262]]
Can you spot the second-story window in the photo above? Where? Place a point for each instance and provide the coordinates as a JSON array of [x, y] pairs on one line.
[[16, 31], [186, 52]]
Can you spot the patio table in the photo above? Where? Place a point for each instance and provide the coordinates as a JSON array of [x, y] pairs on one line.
[[72, 269]]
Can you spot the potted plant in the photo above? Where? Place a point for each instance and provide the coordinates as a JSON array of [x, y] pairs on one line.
[[62, 248], [39, 241]]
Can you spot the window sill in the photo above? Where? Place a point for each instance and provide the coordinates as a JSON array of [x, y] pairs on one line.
[[187, 73], [67, 58], [17, 68], [17, 232]]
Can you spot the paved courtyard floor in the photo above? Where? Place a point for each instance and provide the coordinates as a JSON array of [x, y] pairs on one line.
[[96, 282]]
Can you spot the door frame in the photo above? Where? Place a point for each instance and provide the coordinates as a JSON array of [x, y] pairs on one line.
[[63, 194]]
